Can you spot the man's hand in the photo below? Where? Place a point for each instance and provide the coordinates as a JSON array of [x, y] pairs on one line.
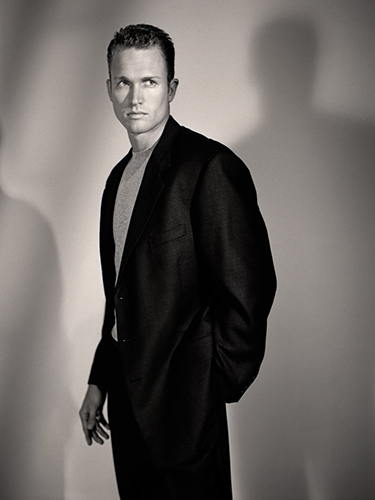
[[92, 417]]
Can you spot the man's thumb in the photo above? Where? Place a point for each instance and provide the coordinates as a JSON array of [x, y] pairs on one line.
[[91, 421]]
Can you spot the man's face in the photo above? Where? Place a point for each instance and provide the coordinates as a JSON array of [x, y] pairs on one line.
[[139, 91]]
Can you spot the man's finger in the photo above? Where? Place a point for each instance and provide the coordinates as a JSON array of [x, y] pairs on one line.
[[87, 432], [87, 426], [96, 437], [101, 431], [88, 437], [103, 421]]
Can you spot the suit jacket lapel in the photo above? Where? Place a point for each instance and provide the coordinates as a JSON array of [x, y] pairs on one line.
[[151, 187]]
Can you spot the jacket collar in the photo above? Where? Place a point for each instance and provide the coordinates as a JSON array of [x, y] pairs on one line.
[[151, 187]]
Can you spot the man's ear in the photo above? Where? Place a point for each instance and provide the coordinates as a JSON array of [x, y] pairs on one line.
[[109, 88], [172, 89]]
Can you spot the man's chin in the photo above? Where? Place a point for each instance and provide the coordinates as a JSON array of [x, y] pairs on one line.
[[136, 127]]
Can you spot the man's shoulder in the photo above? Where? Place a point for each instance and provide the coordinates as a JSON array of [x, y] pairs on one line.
[[193, 145], [118, 169]]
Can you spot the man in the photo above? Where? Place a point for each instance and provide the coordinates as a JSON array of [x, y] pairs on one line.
[[188, 280]]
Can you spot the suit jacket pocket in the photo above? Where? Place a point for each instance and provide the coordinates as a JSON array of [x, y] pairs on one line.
[[168, 235]]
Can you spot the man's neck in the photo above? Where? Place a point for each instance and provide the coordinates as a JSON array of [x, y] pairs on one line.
[[141, 142]]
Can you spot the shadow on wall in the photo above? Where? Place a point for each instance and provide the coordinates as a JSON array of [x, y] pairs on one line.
[[36, 409], [309, 426]]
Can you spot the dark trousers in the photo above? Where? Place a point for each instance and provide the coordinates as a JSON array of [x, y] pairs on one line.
[[204, 477]]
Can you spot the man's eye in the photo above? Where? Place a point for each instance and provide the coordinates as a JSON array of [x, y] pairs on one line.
[[122, 83], [150, 83]]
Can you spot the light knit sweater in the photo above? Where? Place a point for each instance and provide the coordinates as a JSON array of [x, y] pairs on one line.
[[125, 200]]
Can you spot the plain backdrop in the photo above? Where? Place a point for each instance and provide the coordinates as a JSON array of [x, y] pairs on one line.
[[289, 86]]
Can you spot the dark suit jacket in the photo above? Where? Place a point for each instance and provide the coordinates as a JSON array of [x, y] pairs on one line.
[[195, 287]]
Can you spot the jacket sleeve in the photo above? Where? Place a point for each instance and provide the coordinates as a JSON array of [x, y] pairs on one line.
[[234, 250], [99, 369]]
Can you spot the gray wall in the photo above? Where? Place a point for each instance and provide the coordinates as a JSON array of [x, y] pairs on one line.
[[289, 85]]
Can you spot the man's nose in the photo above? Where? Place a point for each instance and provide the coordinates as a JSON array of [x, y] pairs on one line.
[[135, 95]]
